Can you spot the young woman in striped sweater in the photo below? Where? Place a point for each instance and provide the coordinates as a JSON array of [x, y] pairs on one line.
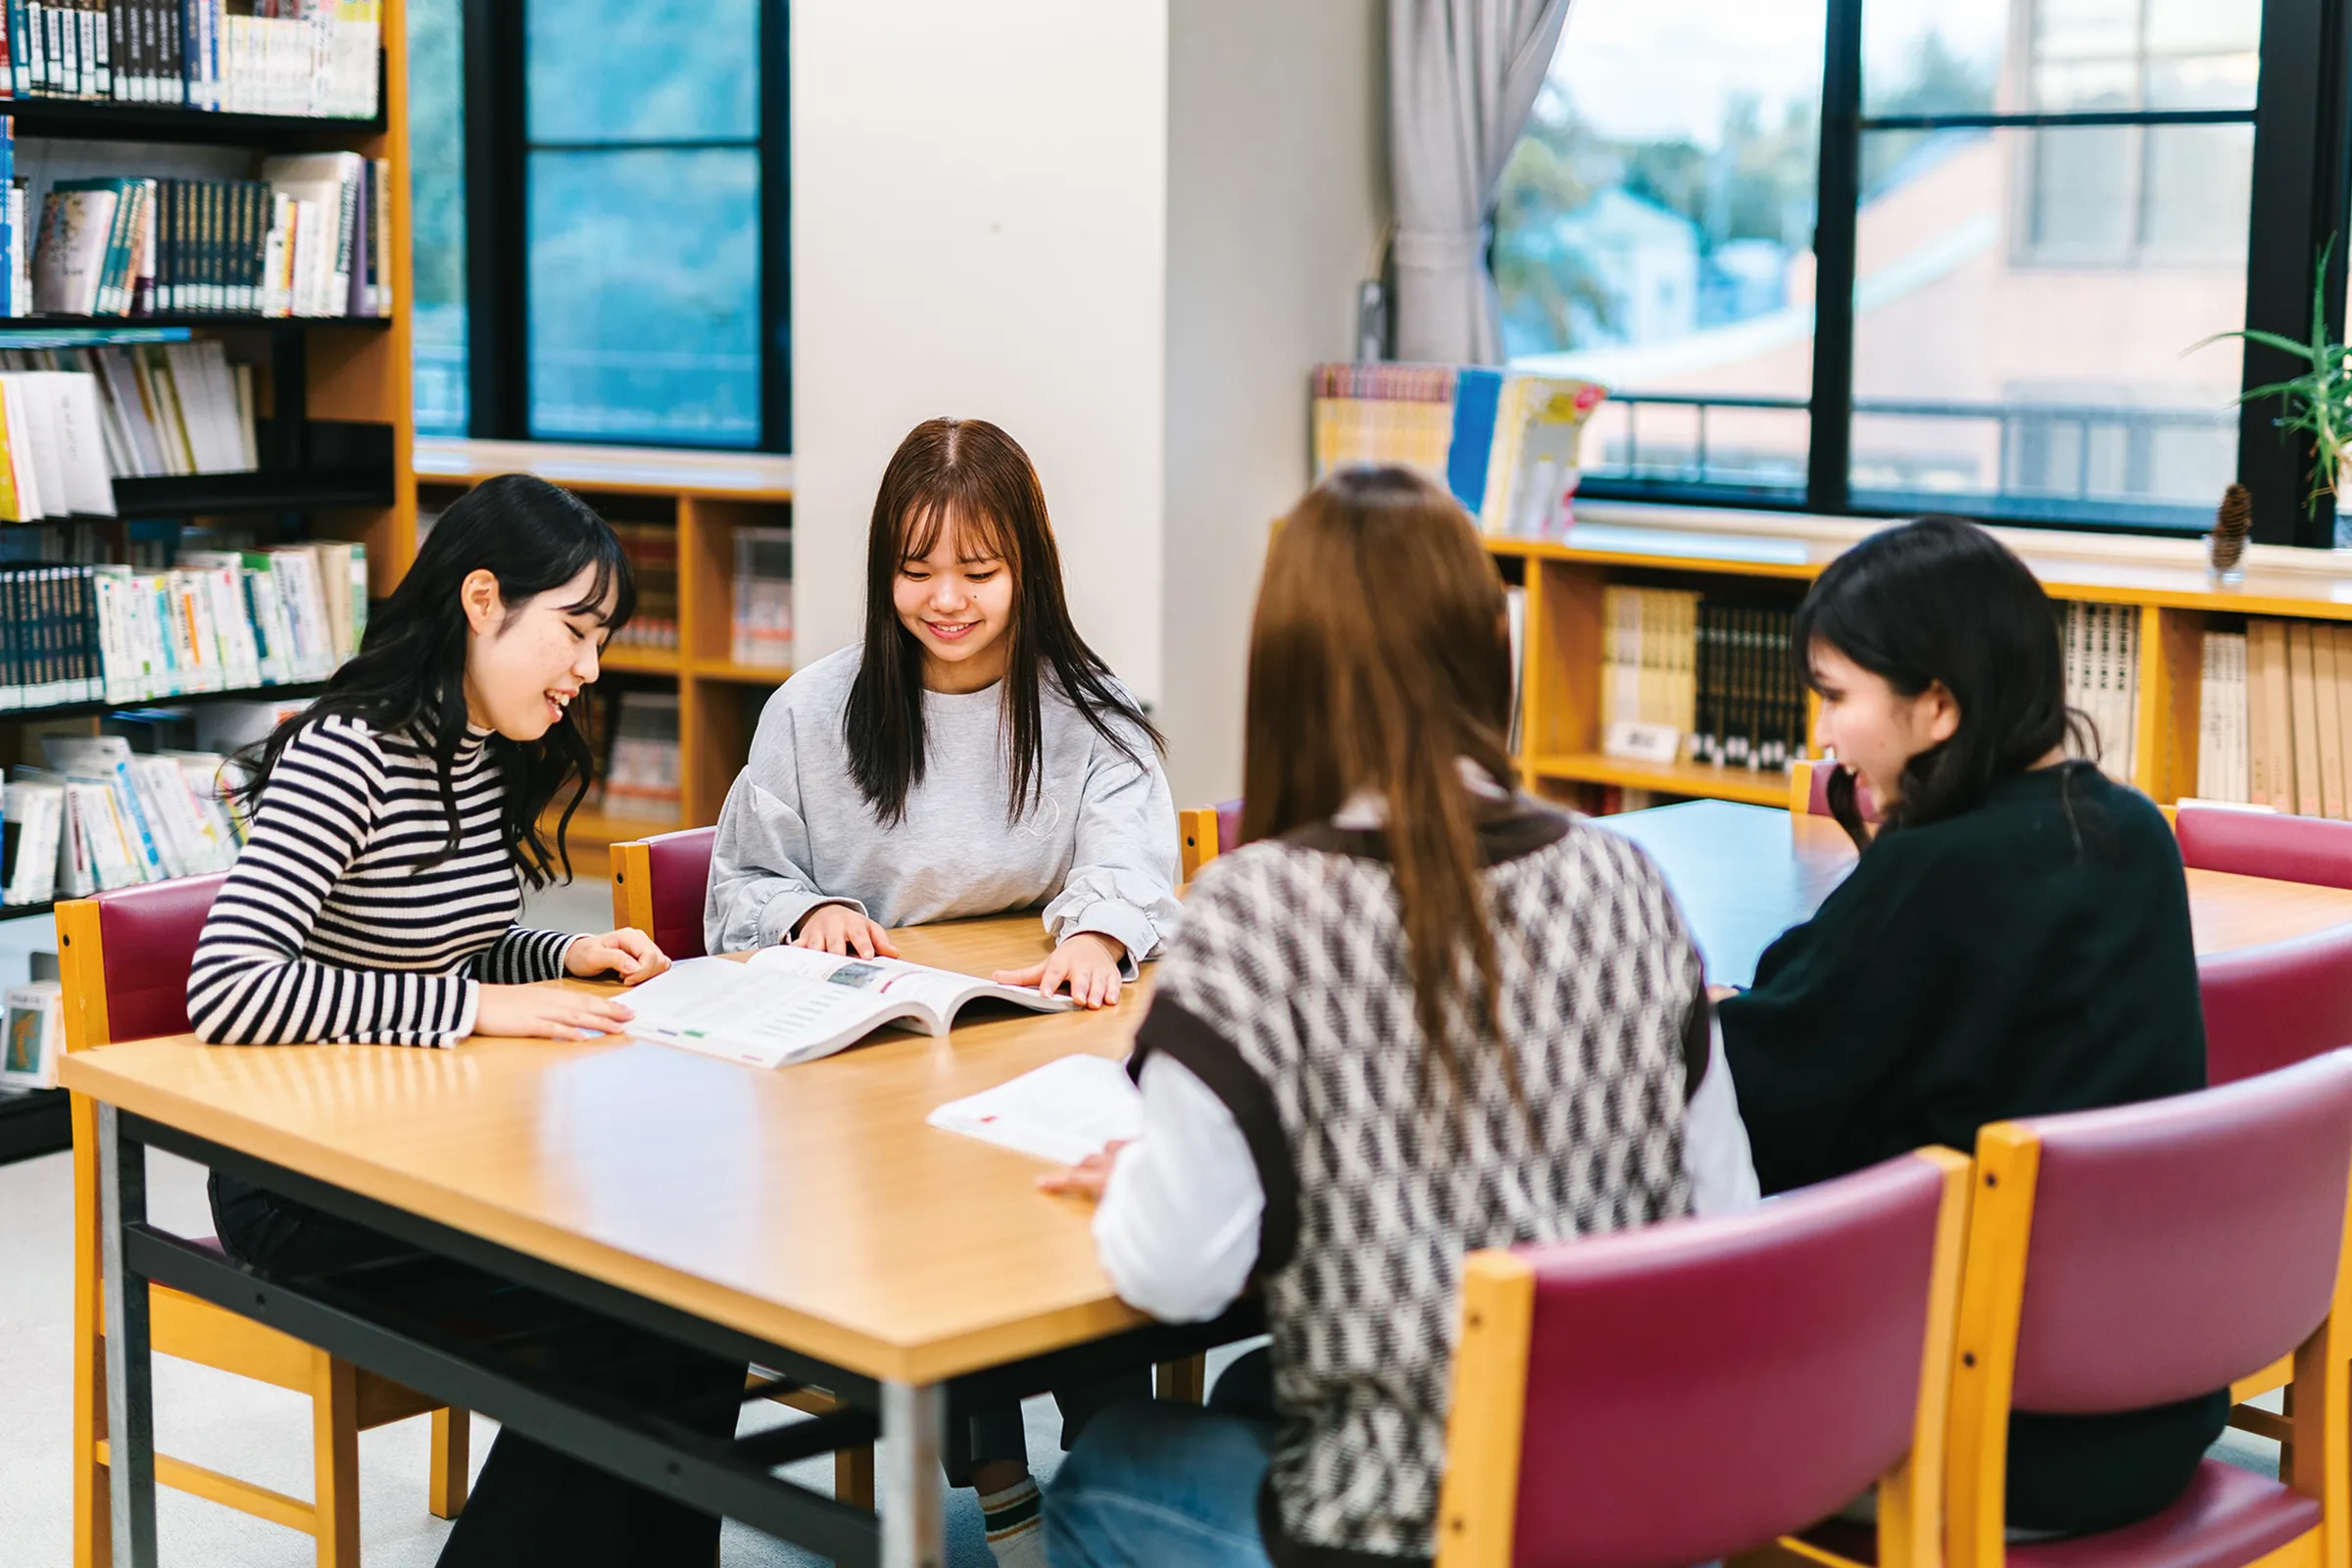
[[396, 823]]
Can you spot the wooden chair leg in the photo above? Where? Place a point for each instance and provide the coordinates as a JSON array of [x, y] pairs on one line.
[[854, 1477], [452, 1429], [1185, 1381], [94, 1504], [335, 1459]]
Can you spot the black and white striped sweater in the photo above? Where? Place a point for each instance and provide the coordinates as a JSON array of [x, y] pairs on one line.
[[333, 928]]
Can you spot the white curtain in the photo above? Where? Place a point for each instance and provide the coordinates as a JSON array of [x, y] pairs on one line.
[[1462, 78]]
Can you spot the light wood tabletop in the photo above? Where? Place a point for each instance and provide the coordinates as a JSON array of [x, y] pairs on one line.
[[812, 1207]]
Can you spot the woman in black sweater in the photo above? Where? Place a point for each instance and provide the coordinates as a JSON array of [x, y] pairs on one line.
[[2014, 941]]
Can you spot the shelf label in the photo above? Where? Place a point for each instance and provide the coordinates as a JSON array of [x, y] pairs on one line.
[[1642, 743]]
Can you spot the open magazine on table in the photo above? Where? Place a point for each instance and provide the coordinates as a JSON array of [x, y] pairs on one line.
[[790, 1004]]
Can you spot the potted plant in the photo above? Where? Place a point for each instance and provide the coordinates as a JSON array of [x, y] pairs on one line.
[[2318, 400]]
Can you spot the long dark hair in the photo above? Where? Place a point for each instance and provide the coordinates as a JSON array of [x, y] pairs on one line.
[[1938, 599], [971, 476], [1377, 657], [409, 671]]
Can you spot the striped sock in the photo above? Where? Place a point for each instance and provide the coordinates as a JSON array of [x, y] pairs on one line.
[[1013, 1518]]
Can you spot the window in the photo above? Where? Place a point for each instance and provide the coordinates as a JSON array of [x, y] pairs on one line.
[[2029, 212], [437, 213], [601, 253]]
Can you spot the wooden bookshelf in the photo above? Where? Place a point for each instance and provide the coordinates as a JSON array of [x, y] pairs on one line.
[[2163, 579], [705, 497]]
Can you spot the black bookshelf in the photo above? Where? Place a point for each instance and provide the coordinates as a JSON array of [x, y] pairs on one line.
[[262, 491], [89, 327], [103, 120], [40, 1122], [92, 710]]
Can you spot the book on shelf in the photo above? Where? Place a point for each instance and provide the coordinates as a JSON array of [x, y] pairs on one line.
[[652, 551], [33, 820], [101, 817], [1514, 620], [642, 780], [1707, 677], [2101, 645], [760, 632], [120, 411], [2274, 716], [1648, 663], [786, 1006], [34, 1033], [1504, 442], [307, 59], [1063, 1111]]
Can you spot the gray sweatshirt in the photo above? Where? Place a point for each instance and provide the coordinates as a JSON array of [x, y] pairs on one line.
[[1098, 849]]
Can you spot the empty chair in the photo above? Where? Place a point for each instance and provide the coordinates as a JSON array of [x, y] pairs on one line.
[[1208, 831], [2275, 1004], [2289, 849], [1652, 1398], [2128, 1259], [124, 957], [660, 885]]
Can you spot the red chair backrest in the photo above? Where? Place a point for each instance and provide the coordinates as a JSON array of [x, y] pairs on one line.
[[1700, 1386], [1819, 803], [148, 938], [2290, 848], [680, 875], [2182, 1243], [1228, 827], [2273, 1005]]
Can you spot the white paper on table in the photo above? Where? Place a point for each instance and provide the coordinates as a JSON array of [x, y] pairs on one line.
[[1063, 1111]]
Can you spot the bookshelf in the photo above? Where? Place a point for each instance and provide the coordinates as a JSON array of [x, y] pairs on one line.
[[701, 498], [2164, 582], [334, 394]]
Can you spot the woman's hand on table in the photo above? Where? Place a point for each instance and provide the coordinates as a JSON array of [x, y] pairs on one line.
[[1087, 1178], [838, 928], [1087, 965], [627, 955], [548, 1013]]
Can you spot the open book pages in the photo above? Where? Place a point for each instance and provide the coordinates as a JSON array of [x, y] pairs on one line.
[[1063, 1111], [789, 1005]]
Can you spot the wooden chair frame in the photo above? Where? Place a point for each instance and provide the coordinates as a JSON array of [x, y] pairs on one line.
[[1479, 1502], [345, 1400], [1800, 788], [2317, 1463], [1198, 839]]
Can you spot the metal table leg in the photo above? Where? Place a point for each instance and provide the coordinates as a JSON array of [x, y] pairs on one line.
[[910, 1489], [129, 1388]]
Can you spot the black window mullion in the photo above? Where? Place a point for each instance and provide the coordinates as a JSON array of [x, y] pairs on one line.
[[775, 227], [1837, 217], [2298, 204], [497, 189]]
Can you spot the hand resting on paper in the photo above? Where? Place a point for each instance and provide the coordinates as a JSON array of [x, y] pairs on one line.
[[627, 955], [1087, 965], [1087, 1178], [545, 1013], [837, 928]]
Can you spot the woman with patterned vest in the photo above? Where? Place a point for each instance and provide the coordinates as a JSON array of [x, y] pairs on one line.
[[1415, 1014]]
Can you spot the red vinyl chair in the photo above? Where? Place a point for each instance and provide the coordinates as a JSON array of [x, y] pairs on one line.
[[2273, 1005], [123, 957], [2123, 1258], [2271, 844], [1785, 1359], [1809, 791], [1208, 832], [658, 886]]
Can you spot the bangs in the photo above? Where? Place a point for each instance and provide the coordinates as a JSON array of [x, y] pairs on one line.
[[978, 533], [612, 593]]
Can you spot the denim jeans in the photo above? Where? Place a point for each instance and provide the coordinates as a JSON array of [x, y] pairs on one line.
[[1155, 1484]]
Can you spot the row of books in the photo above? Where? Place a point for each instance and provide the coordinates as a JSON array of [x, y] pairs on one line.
[[1504, 442], [760, 632], [133, 411], [640, 778], [219, 620], [2275, 710], [2102, 678], [1706, 677], [101, 817], [315, 59], [309, 238], [652, 551]]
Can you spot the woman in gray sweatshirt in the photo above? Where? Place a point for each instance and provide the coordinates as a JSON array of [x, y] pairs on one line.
[[971, 755]]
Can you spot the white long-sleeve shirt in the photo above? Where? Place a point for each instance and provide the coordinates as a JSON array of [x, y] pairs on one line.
[[1177, 1228]]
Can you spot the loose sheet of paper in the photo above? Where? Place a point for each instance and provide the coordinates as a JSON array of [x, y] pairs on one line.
[[1063, 1111]]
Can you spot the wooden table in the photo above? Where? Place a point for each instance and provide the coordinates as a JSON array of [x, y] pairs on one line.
[[804, 1219], [1743, 875]]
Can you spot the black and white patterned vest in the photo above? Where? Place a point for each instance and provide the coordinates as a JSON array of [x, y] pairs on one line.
[[1286, 993]]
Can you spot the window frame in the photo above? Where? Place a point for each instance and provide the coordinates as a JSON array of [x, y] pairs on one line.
[[498, 149], [2302, 163]]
